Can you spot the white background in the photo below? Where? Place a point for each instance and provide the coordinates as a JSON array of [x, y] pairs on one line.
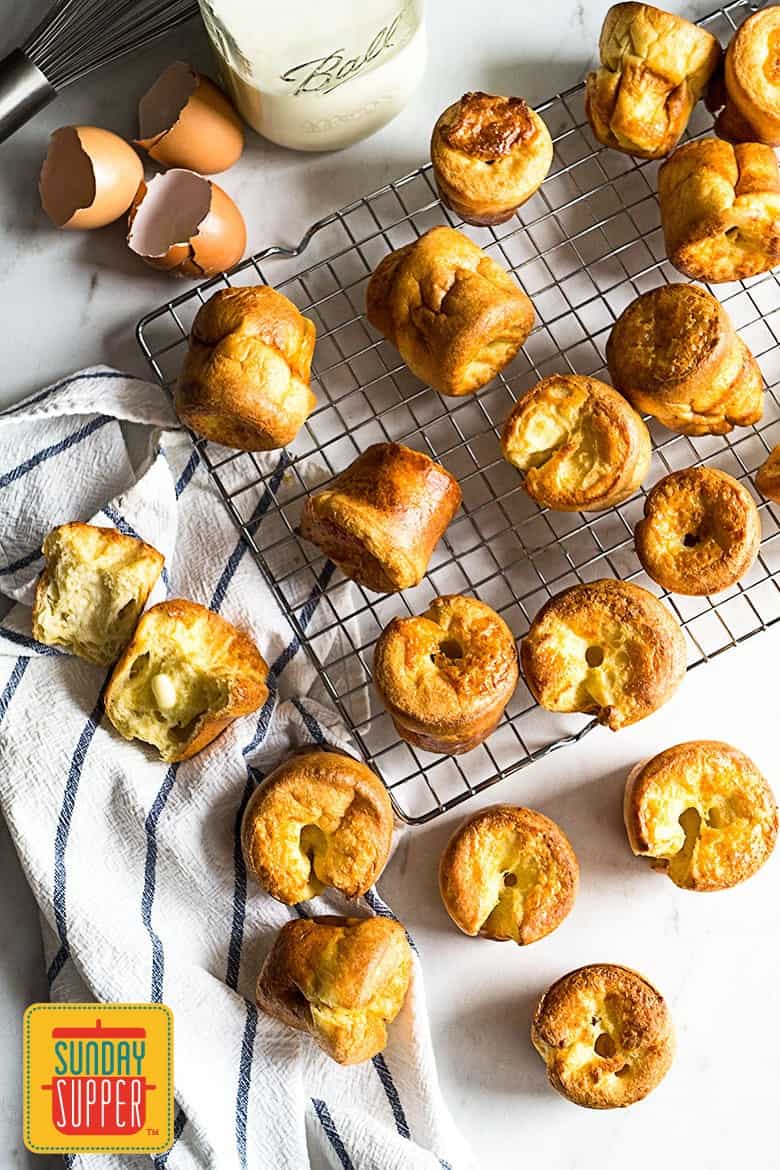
[[70, 300]]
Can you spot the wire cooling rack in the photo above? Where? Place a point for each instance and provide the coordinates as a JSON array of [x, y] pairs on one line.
[[586, 244]]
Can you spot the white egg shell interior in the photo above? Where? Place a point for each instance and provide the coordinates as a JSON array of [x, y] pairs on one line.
[[67, 181], [160, 107], [171, 211]]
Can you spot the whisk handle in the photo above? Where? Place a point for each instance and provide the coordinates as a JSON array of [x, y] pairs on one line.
[[23, 91]]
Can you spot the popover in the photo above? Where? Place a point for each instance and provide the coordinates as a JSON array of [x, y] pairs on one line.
[[489, 154], [579, 444], [700, 533], [702, 813], [508, 873], [447, 675], [381, 518], [654, 68], [674, 353], [605, 1035], [454, 315], [92, 591], [751, 81], [342, 980], [607, 648], [768, 476], [321, 818], [185, 676], [720, 209], [245, 381]]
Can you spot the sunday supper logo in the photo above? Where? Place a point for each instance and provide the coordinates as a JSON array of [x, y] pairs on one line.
[[98, 1078]]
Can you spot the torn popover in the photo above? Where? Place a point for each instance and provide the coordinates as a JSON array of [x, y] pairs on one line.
[[454, 315], [245, 381], [341, 980], [447, 675], [654, 68], [607, 648], [720, 209], [508, 873], [321, 818], [580, 446], [186, 675], [674, 353], [700, 533], [382, 517], [489, 154], [702, 813], [605, 1035], [92, 591]]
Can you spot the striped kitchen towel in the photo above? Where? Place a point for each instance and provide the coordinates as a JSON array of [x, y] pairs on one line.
[[136, 865]]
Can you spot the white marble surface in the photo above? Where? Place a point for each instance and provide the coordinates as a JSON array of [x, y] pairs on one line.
[[68, 300]]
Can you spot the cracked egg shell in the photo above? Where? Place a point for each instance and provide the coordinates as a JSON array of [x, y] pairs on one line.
[[89, 177], [185, 224], [185, 120]]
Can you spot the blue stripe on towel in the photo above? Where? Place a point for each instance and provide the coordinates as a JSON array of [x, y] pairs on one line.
[[187, 474], [71, 440], [22, 563], [83, 377], [61, 837], [388, 1084], [179, 1122], [30, 643], [245, 1080], [150, 879], [239, 889], [331, 1133], [14, 678]]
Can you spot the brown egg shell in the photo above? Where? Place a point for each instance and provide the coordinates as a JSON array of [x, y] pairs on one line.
[[89, 177], [186, 121], [213, 238]]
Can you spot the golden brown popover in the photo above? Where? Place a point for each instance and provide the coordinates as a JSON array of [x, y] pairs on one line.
[[454, 315], [381, 518], [489, 155], [674, 353], [92, 590], [605, 1034], [607, 648], [342, 980], [702, 813], [751, 81], [508, 873], [654, 68], [720, 209], [245, 379], [768, 476], [700, 533], [579, 443], [447, 675], [186, 675], [321, 818]]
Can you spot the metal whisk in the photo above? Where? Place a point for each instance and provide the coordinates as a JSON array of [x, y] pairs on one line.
[[75, 37]]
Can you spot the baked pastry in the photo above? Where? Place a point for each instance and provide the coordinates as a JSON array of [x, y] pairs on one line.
[[654, 68], [92, 590], [320, 819], [342, 980], [447, 675], [674, 353], [579, 443], [508, 873], [751, 81], [607, 648], [454, 315], [245, 379], [489, 154], [700, 532], [605, 1034], [381, 518], [768, 476], [720, 209], [702, 813], [185, 676]]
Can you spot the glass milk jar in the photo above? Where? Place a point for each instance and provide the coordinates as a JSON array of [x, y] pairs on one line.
[[317, 74]]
